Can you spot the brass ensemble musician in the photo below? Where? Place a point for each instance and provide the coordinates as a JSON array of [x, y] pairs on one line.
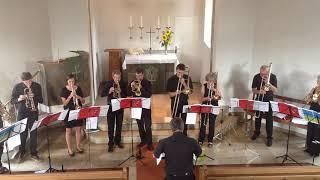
[[141, 87], [72, 98], [25, 96], [211, 95], [179, 87], [114, 89], [313, 132], [264, 85]]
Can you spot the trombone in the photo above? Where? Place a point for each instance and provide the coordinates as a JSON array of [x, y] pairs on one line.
[[266, 87], [187, 90]]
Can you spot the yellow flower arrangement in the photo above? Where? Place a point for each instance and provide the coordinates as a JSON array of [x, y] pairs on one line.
[[167, 38]]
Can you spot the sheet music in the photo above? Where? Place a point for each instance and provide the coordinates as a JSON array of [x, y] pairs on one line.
[[104, 110], [13, 142], [92, 123], [136, 113], [115, 104], [299, 121], [63, 115], [73, 115], [191, 118]]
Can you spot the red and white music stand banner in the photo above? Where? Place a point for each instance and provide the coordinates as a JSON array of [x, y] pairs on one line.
[[136, 105], [251, 105], [193, 110]]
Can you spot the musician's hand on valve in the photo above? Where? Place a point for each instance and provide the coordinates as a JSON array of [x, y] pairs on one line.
[[133, 84], [22, 97], [261, 91], [111, 90], [31, 95]]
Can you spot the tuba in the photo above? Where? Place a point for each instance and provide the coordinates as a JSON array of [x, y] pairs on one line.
[[313, 96], [117, 90], [29, 100], [136, 89]]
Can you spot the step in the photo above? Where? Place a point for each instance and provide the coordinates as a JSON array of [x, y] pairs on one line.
[[158, 133], [102, 125]]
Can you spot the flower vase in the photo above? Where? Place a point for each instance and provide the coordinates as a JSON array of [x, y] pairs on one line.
[[165, 50]]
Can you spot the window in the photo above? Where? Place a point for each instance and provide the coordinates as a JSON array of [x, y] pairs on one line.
[[208, 22]]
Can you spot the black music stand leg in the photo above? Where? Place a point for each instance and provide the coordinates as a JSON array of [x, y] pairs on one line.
[[9, 164], [137, 158], [286, 156], [50, 169]]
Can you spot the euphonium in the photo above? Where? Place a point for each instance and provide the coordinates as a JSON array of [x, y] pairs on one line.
[[137, 87], [29, 100], [315, 96], [117, 90]]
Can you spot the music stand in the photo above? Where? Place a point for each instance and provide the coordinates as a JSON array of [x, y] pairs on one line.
[[286, 156], [132, 155], [50, 169], [220, 135]]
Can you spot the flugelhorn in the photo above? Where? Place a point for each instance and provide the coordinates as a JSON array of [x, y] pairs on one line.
[[117, 90], [75, 99], [29, 99], [136, 88]]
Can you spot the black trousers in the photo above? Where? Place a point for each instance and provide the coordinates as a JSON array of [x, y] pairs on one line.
[[32, 117], [269, 122], [114, 118], [144, 125], [182, 115], [203, 124], [313, 133]]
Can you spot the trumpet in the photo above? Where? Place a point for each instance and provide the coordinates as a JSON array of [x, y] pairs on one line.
[[136, 88], [117, 90], [75, 99], [29, 99], [185, 91], [5, 113]]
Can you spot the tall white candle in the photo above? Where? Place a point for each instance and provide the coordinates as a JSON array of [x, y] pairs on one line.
[[130, 25], [158, 21], [169, 21], [141, 21]]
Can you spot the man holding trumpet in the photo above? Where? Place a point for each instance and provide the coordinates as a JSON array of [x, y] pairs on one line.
[[264, 85], [114, 89], [179, 87], [26, 96], [141, 87]]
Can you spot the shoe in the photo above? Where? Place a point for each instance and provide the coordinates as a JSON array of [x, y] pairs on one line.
[[254, 136], [120, 145], [3, 170], [210, 144], [71, 154], [200, 143], [80, 150], [21, 156], [269, 142], [140, 145], [150, 147], [35, 157], [110, 148]]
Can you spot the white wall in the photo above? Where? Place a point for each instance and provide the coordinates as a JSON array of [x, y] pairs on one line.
[[112, 21], [69, 25], [24, 40], [234, 26], [288, 34]]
